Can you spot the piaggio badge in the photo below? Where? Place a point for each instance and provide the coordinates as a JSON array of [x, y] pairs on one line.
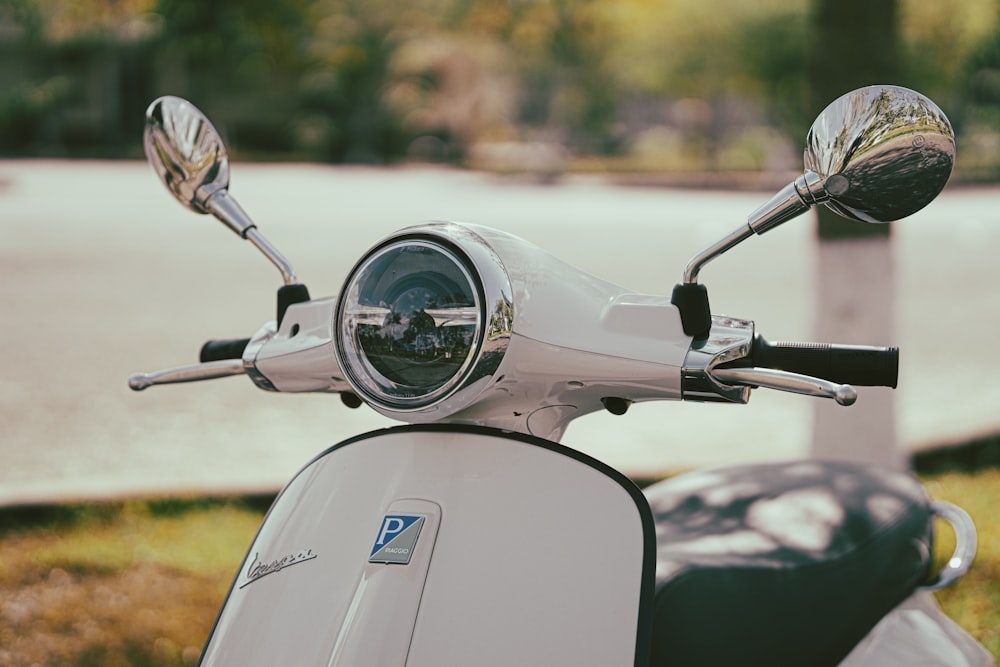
[[397, 537]]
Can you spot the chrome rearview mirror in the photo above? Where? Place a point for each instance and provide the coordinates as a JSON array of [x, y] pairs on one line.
[[876, 154], [186, 152], [885, 152], [189, 156]]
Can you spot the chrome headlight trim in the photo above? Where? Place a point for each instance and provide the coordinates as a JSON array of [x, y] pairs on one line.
[[464, 254]]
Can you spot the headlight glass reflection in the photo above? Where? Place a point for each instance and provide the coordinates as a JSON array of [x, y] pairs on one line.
[[410, 324]]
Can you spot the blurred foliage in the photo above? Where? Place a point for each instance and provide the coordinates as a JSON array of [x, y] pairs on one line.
[[974, 601], [128, 583], [660, 84]]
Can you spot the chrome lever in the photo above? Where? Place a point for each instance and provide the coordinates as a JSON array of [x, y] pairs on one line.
[[192, 373], [770, 378]]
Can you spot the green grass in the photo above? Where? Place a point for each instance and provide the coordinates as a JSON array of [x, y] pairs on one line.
[[135, 583], [139, 583], [973, 602]]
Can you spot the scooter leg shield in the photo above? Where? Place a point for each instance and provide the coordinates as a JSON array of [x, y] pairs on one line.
[[431, 546]]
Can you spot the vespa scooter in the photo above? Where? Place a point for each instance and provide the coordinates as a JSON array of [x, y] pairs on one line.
[[470, 536]]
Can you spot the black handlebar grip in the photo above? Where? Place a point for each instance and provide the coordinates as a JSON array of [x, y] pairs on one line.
[[218, 350], [845, 364]]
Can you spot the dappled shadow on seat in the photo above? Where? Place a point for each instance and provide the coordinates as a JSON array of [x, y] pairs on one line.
[[782, 564]]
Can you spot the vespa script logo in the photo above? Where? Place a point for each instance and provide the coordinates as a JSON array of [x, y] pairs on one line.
[[397, 536], [261, 568]]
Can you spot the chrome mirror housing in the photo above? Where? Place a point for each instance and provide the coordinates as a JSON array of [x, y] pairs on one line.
[[186, 152], [876, 154], [883, 153]]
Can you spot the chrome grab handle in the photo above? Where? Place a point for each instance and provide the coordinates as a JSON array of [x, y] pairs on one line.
[[192, 373], [771, 378], [966, 543]]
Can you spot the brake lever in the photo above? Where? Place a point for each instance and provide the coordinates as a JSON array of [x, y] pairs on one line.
[[192, 373], [769, 378]]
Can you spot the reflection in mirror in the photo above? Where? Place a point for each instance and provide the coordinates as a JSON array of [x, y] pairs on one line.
[[186, 152], [883, 152], [876, 154]]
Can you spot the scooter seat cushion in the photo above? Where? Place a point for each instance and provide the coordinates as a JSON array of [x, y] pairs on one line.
[[782, 564]]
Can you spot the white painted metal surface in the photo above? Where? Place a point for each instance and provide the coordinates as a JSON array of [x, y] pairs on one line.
[[527, 556]]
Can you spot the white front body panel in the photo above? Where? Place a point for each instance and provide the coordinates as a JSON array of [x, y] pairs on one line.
[[527, 553]]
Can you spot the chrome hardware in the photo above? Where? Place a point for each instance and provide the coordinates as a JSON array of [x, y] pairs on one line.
[[876, 154], [966, 543], [192, 373], [263, 335], [793, 200], [769, 378], [189, 156], [729, 339], [429, 256]]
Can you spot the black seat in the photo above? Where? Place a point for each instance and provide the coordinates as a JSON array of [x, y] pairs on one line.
[[782, 564]]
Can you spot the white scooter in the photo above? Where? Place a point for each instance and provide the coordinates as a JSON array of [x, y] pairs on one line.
[[469, 536]]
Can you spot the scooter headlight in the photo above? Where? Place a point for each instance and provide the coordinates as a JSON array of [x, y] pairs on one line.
[[413, 324]]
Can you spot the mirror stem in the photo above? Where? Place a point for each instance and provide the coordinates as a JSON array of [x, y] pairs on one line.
[[224, 207], [790, 202], [793, 200], [287, 272], [713, 251]]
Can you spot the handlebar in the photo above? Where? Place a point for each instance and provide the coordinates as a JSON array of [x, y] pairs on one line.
[[867, 366], [225, 348], [734, 358]]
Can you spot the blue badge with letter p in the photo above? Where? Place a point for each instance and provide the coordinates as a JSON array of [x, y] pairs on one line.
[[397, 536]]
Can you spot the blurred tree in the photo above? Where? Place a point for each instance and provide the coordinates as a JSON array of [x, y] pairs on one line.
[[345, 113], [453, 92], [21, 19], [67, 72], [568, 88], [240, 60], [716, 73], [937, 41], [771, 47], [357, 80], [978, 100]]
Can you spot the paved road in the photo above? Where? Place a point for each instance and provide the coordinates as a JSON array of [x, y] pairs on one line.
[[103, 275]]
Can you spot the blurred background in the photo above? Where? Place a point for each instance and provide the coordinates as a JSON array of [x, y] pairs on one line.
[[348, 119], [629, 86]]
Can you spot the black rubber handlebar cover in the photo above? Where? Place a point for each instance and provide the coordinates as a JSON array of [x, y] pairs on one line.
[[861, 365], [218, 350]]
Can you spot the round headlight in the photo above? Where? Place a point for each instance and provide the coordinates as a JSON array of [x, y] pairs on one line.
[[412, 321]]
